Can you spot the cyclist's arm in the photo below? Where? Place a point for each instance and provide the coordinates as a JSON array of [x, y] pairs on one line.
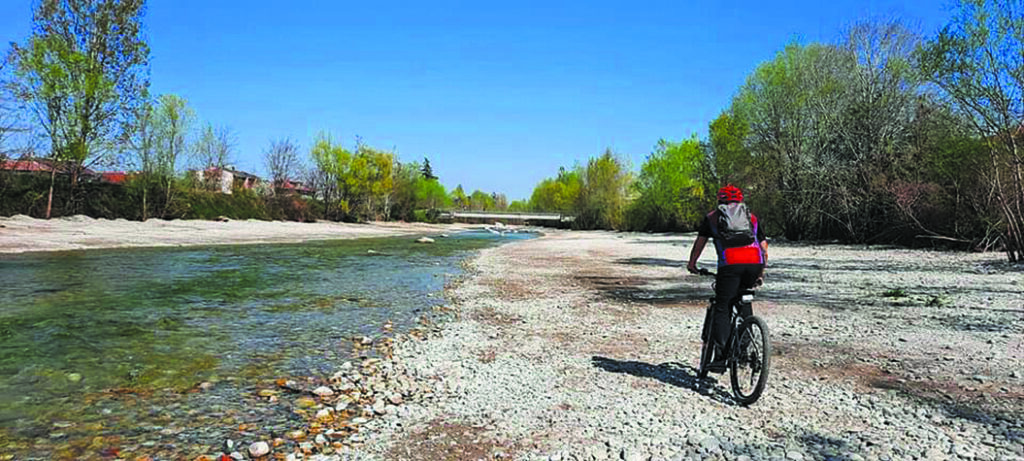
[[698, 248]]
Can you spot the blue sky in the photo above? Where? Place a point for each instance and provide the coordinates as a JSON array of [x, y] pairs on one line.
[[497, 94]]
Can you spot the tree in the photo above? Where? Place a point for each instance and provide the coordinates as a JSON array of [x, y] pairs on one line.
[[978, 63], [11, 121], [481, 201], [214, 147], [670, 187], [83, 71], [369, 182], [143, 144], [331, 164], [558, 194], [172, 126], [519, 206], [603, 193], [428, 172], [282, 161], [459, 198], [407, 177], [430, 194]]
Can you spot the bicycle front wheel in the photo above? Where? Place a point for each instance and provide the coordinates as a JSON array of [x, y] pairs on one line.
[[751, 361]]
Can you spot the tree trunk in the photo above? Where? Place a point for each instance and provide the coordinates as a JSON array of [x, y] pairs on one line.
[[144, 192], [49, 201]]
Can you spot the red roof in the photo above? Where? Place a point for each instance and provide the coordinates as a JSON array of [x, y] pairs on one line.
[[26, 165], [41, 165], [116, 177]]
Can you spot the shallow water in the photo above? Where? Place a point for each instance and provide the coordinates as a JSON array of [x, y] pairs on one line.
[[114, 342]]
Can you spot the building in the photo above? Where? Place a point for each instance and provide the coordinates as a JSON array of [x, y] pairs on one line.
[[224, 180]]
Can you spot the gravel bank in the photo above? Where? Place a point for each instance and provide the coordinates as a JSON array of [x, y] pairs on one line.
[[582, 346]]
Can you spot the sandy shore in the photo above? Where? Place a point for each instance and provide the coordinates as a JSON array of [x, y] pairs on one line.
[[20, 234]]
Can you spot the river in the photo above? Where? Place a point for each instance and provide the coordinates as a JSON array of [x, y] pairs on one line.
[[105, 353]]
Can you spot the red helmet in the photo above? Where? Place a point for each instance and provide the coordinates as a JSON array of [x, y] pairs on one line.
[[730, 193]]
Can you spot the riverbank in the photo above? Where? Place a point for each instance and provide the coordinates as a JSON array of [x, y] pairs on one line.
[[581, 346], [19, 234]]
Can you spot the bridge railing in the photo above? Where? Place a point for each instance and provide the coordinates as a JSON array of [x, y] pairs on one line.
[[510, 216]]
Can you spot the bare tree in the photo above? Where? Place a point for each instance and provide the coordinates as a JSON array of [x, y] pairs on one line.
[[282, 161], [215, 147], [978, 62]]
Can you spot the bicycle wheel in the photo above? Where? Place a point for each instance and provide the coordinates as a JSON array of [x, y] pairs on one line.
[[751, 361], [705, 347]]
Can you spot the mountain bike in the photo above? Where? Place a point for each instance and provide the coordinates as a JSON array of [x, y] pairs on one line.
[[748, 350]]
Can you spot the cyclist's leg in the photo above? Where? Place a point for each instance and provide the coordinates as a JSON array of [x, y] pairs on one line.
[[748, 275], [727, 285]]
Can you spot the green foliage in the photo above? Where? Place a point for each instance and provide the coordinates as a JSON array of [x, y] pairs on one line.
[[602, 199], [430, 194], [368, 182], [670, 188], [480, 200], [559, 194], [84, 71], [458, 198], [519, 206], [403, 193]]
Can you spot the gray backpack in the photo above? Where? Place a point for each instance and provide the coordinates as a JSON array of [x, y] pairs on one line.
[[735, 228]]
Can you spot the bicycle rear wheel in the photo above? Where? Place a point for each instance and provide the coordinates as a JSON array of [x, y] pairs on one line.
[[705, 347], [751, 361]]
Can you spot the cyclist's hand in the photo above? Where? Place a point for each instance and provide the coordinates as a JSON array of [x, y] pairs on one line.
[[692, 268]]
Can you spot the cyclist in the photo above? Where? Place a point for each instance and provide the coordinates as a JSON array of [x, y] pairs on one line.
[[742, 253]]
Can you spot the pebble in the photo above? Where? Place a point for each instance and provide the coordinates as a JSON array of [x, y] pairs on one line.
[[323, 391], [258, 449]]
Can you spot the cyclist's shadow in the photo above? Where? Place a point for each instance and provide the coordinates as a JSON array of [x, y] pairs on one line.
[[673, 373]]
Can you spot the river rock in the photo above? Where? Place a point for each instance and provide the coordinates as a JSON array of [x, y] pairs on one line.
[[424, 240], [305, 402], [74, 377], [323, 391], [258, 449]]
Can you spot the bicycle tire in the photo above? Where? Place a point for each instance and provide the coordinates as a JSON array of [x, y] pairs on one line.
[[762, 346]]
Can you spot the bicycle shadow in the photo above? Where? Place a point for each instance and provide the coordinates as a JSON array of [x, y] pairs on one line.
[[672, 373]]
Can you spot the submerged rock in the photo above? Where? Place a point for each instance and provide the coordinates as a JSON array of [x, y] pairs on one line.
[[424, 240]]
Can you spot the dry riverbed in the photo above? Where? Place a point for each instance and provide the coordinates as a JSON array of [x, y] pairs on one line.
[[22, 234], [582, 346]]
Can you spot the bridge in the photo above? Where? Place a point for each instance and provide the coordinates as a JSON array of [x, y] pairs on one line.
[[507, 216]]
